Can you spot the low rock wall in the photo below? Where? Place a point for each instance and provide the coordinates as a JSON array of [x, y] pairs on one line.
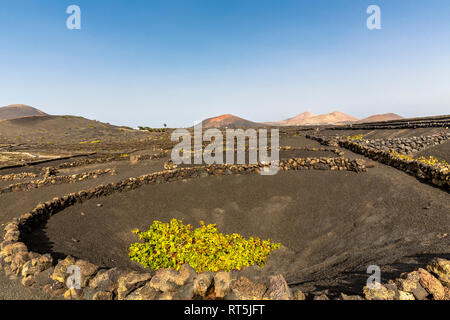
[[96, 283], [438, 175], [53, 180]]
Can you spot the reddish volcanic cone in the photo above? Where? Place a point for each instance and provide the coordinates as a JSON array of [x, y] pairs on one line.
[[229, 121], [381, 117], [15, 111]]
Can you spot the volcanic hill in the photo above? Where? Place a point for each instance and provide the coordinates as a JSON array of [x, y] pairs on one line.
[[381, 117], [15, 111], [228, 121], [308, 118]]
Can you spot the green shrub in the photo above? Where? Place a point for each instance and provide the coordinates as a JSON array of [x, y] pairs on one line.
[[430, 160], [170, 245], [357, 137]]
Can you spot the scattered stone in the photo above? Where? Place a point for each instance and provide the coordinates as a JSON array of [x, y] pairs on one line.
[[323, 296], [87, 293], [169, 165], [299, 295], [185, 292], [18, 260], [379, 292], [49, 172], [60, 273], [244, 289], [391, 286], [185, 275], [431, 284], [44, 278], [403, 295], [180, 284], [87, 270], [410, 283], [106, 280], [350, 297], [72, 294], [130, 282], [441, 268], [53, 291], [14, 248], [164, 280], [167, 296], [28, 281], [202, 283], [37, 265], [222, 284], [278, 289], [103, 295]]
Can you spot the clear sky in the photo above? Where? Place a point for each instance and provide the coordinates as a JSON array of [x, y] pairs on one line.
[[148, 62]]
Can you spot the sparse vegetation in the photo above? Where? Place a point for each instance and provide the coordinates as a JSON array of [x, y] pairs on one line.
[[152, 129], [430, 160], [357, 137], [170, 245]]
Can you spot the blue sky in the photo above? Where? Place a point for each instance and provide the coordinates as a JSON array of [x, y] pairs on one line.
[[147, 62]]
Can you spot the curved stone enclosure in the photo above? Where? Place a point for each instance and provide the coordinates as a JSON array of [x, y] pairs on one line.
[[101, 284]]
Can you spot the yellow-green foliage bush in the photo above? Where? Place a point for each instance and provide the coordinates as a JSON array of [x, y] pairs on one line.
[[357, 137], [430, 160], [170, 245]]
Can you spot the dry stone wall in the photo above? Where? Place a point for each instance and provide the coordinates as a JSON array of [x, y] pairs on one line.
[[18, 176], [111, 158], [438, 175], [409, 145], [34, 269], [52, 180]]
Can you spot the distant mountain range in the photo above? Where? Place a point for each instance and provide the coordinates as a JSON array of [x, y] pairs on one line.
[[308, 118], [302, 119], [15, 111]]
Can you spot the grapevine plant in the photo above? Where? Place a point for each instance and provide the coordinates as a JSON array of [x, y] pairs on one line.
[[430, 160], [170, 245]]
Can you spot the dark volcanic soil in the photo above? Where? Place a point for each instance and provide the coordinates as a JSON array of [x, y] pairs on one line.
[[442, 152], [332, 224]]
